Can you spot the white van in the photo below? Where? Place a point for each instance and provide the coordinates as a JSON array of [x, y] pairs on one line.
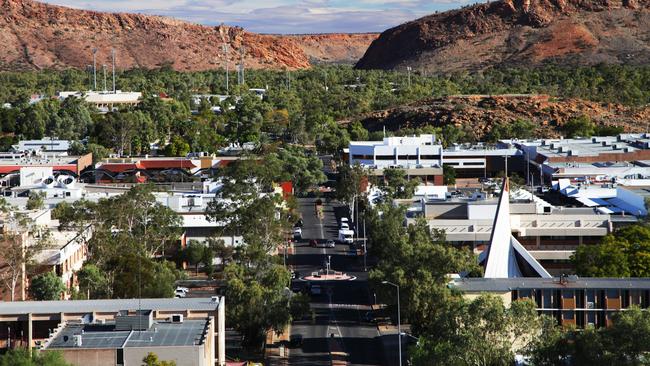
[[346, 236]]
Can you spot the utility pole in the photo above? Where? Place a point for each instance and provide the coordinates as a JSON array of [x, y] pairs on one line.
[[225, 51], [89, 71], [365, 247], [113, 59], [104, 70], [242, 52], [94, 69]]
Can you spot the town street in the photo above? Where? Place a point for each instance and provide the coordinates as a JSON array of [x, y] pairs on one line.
[[338, 326]]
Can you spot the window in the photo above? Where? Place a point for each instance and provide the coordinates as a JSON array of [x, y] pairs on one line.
[[120, 356], [568, 294], [451, 163], [612, 294], [569, 315], [384, 157], [525, 294], [407, 157], [473, 163], [548, 299], [362, 157], [429, 157]]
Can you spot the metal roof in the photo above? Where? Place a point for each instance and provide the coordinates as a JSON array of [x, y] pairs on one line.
[[89, 306], [162, 334], [509, 284]]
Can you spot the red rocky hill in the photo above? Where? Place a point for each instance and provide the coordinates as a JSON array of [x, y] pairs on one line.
[[36, 36], [518, 33]]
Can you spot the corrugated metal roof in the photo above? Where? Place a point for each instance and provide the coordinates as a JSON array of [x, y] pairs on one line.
[[83, 306]]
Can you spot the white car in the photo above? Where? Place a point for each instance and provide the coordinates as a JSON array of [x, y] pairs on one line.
[[330, 244], [180, 294], [345, 226], [297, 233]]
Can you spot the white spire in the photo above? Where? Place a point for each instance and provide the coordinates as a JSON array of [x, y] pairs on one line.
[[501, 261]]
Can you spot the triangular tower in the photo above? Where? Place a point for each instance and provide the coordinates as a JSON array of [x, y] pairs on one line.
[[506, 257]]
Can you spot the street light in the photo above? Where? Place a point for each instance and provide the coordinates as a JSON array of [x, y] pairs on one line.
[[399, 324]]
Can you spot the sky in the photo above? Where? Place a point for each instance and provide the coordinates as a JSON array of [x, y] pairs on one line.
[[281, 16]]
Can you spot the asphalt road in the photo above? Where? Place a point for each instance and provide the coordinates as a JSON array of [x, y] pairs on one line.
[[340, 309]]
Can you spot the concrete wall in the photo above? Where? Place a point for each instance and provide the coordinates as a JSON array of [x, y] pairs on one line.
[[183, 356], [90, 357]]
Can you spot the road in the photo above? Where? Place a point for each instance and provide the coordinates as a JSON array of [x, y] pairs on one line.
[[338, 324]]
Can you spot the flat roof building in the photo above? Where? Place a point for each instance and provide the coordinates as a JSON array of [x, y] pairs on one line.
[[570, 300], [189, 331]]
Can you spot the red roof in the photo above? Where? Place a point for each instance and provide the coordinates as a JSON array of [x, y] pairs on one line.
[[6, 169]]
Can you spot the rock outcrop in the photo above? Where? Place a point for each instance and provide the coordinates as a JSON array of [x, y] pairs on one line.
[[477, 114], [518, 33], [37, 36]]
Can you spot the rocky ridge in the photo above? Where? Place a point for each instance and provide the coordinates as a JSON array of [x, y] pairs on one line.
[[518, 33], [477, 114], [38, 36]]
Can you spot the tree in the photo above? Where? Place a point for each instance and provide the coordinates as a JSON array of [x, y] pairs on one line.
[[177, 147], [579, 126], [194, 254], [257, 301], [18, 256], [396, 185], [479, 332], [448, 175], [23, 357], [625, 253], [607, 259], [295, 165], [36, 200], [151, 359], [92, 282], [47, 286]]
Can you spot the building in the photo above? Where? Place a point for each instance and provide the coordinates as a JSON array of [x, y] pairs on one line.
[[505, 257], [549, 233], [12, 164], [570, 300], [105, 101], [420, 156], [189, 331], [46, 146], [165, 169], [483, 161]]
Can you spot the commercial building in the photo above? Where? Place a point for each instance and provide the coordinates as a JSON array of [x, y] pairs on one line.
[[549, 233], [105, 101], [423, 156], [570, 300], [189, 331], [46, 146], [420, 156], [165, 169], [12, 164]]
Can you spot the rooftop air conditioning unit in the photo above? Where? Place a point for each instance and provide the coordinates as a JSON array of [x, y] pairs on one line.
[[176, 318], [78, 340], [594, 140]]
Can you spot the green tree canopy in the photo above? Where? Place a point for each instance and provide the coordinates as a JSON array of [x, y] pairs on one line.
[[47, 286]]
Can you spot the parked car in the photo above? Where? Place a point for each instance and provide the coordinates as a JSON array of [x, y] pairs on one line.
[[345, 226], [299, 223], [313, 243], [330, 244], [180, 294], [297, 233]]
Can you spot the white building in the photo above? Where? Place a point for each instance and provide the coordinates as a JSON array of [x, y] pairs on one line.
[[403, 152], [46, 145]]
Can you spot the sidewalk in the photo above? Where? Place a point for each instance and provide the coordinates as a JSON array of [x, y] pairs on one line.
[[276, 351], [388, 339]]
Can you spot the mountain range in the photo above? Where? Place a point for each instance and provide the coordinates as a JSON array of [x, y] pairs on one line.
[[523, 33], [38, 36]]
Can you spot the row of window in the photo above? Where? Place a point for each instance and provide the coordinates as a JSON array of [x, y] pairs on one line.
[[584, 299], [399, 157]]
